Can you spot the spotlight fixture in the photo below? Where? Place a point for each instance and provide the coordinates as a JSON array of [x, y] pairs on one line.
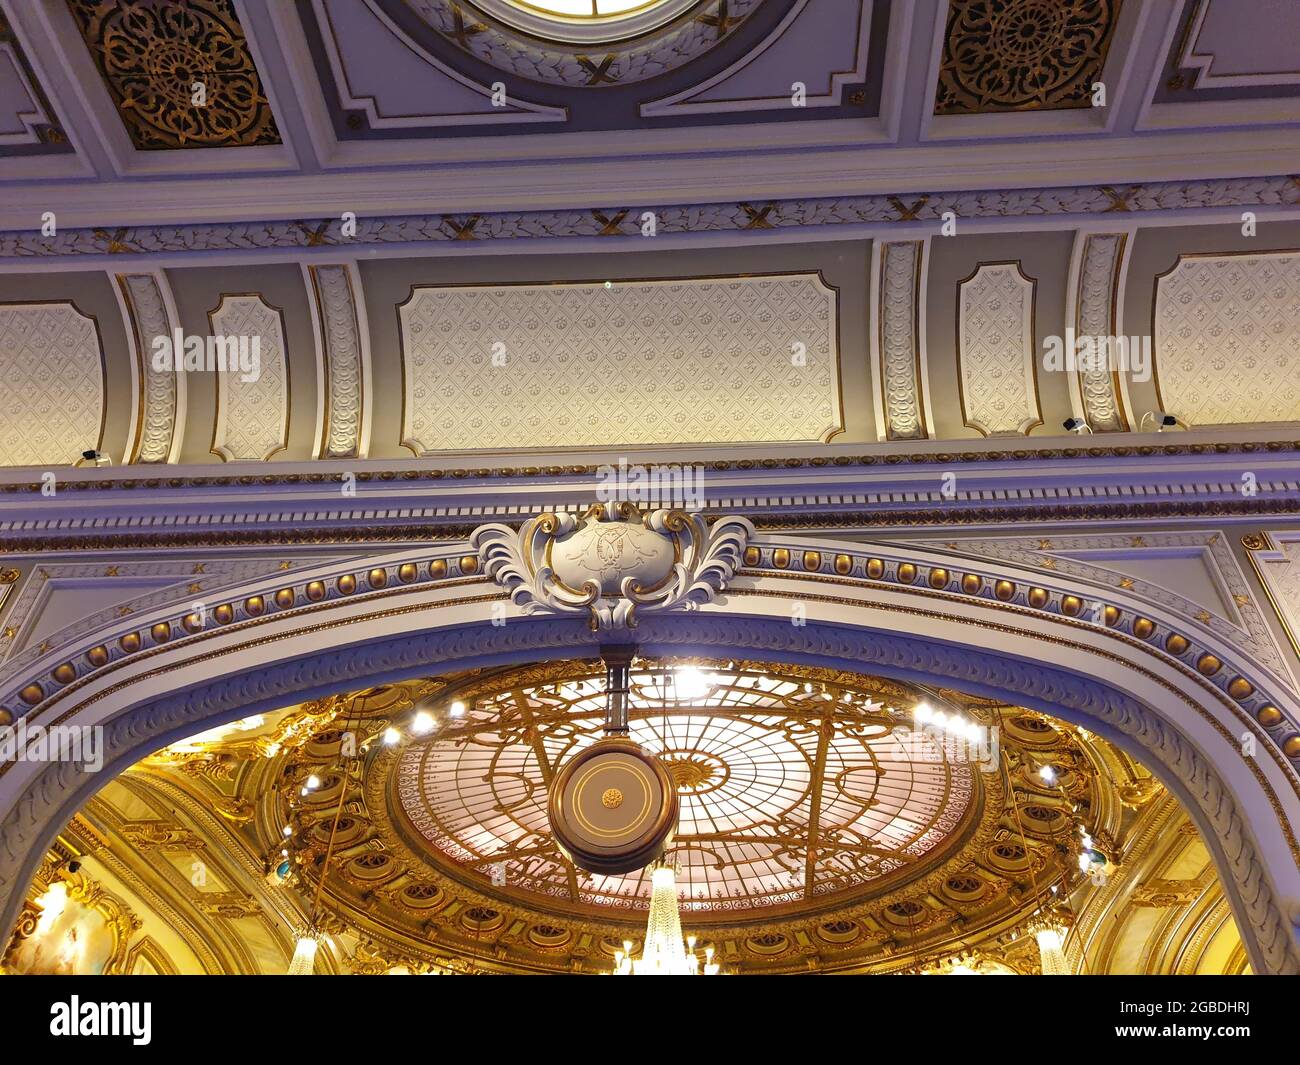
[[1047, 774], [690, 683], [313, 782], [423, 723], [457, 709], [391, 736], [1160, 419], [1077, 425], [93, 458]]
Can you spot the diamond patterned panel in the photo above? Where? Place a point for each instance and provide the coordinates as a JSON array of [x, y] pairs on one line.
[[635, 363], [252, 416], [52, 402], [1227, 339], [996, 350]]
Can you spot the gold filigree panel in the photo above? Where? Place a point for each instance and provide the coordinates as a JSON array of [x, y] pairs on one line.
[[1023, 55], [153, 56]]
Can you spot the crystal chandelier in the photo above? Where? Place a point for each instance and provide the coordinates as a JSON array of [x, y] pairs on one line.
[[1051, 953], [665, 953]]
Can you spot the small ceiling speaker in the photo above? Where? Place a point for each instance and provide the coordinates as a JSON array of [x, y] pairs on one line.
[[613, 806]]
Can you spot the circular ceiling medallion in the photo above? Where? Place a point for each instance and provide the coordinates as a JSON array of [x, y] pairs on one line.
[[789, 792], [612, 807]]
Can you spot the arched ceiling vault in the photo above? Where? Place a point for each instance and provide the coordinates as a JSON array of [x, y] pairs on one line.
[[453, 868]]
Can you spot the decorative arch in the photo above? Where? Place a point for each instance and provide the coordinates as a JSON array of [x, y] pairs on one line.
[[1172, 693]]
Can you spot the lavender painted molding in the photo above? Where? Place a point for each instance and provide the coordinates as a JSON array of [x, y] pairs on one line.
[[676, 219]]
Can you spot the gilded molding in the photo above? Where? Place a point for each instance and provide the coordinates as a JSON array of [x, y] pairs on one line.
[[1069, 555], [810, 519]]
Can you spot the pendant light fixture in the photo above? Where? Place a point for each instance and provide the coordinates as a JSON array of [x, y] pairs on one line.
[[613, 807]]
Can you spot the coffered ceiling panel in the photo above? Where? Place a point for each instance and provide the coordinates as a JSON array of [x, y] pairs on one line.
[[52, 403], [384, 81], [28, 124], [723, 360], [1227, 339], [1023, 55], [1248, 45], [252, 408], [768, 75], [180, 74], [999, 383]]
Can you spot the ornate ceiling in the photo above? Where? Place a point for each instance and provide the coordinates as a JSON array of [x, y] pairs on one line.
[[810, 259], [815, 836], [827, 248]]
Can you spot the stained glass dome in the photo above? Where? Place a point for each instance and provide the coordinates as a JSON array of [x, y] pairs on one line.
[[789, 791]]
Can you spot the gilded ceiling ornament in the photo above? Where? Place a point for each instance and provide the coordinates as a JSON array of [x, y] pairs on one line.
[[613, 563], [1023, 55], [154, 55]]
